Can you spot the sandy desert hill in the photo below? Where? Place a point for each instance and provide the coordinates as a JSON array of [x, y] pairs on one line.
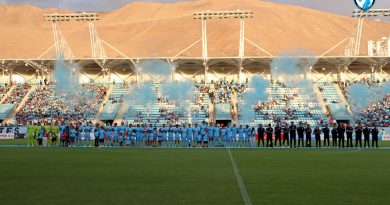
[[164, 29]]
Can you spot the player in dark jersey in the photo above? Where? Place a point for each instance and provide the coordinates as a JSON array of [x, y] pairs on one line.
[[278, 135], [293, 134], [366, 133], [358, 133], [317, 134], [340, 134], [286, 133], [349, 131], [308, 132], [375, 133], [301, 132], [326, 131], [260, 135], [334, 135], [269, 132]]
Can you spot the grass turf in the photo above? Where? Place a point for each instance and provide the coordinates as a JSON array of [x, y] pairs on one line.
[[192, 176]]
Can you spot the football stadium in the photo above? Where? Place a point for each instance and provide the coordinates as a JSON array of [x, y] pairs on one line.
[[194, 102]]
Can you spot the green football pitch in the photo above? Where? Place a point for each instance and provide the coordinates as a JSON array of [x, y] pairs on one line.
[[193, 176]]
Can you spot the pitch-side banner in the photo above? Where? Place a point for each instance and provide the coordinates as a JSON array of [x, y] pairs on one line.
[[385, 133], [12, 132]]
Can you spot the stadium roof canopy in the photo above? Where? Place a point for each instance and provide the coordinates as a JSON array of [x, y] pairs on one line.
[[328, 62]]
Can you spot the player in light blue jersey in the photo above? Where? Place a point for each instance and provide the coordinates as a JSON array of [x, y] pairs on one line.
[[87, 134], [217, 135], [177, 136], [228, 136], [79, 134], [102, 133], [133, 136], [197, 135], [72, 135], [164, 136], [108, 140], [129, 132], [122, 131], [155, 137], [205, 137], [138, 134], [247, 133], [190, 135], [144, 134], [62, 129], [234, 135], [150, 130], [202, 127], [241, 136], [128, 139], [115, 138], [223, 135], [184, 136], [210, 131], [171, 131]]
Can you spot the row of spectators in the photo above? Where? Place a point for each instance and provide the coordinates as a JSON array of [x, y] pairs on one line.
[[377, 113], [44, 104], [17, 94], [220, 91], [289, 104], [4, 89]]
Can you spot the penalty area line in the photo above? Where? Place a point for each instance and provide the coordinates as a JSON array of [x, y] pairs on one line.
[[240, 182]]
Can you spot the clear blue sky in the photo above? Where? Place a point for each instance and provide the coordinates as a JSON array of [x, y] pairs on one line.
[[342, 7]]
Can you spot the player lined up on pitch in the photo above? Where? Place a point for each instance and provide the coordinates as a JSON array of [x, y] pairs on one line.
[[203, 135]]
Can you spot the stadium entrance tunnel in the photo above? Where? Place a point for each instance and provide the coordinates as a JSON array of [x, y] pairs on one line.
[[224, 122], [342, 121]]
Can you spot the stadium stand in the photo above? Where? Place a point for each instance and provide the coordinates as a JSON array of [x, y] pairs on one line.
[[43, 104], [220, 91], [164, 111], [287, 104], [3, 90], [17, 94], [333, 101], [378, 113]]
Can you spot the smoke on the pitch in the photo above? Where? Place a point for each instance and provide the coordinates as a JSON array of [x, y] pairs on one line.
[[252, 98]]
